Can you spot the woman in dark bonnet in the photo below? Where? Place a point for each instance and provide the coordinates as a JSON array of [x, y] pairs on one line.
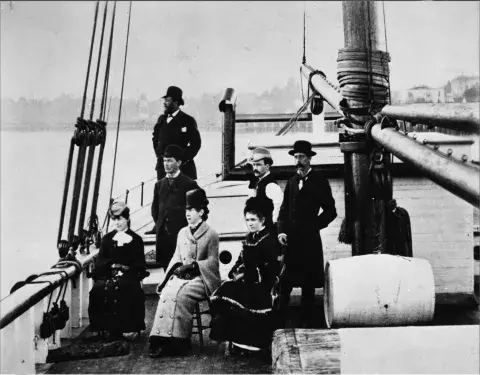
[[242, 306], [117, 301]]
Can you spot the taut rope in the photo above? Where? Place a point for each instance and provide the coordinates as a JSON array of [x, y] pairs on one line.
[[120, 108]]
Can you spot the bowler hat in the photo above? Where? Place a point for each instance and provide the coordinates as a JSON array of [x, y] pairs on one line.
[[175, 93], [260, 153], [173, 151], [303, 147], [119, 209], [196, 198]]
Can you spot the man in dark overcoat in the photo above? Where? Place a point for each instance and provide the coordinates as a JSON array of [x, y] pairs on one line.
[[176, 127], [168, 206], [299, 225]]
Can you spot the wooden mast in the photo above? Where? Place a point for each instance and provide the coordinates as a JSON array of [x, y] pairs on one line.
[[361, 25]]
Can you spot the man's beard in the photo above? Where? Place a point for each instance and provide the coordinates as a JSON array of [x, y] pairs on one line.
[[300, 166]]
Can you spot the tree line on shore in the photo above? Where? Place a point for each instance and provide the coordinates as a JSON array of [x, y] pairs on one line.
[[142, 113], [62, 112]]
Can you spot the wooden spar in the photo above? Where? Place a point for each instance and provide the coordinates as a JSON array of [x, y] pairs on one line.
[[456, 117], [227, 106], [361, 32], [459, 178], [278, 117], [331, 96]]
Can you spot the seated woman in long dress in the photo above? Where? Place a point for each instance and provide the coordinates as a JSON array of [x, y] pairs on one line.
[[242, 307], [191, 276], [117, 301]]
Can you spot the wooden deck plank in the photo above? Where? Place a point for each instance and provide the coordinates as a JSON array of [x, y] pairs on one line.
[[211, 360]]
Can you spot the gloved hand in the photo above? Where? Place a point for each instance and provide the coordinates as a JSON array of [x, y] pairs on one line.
[[187, 271]]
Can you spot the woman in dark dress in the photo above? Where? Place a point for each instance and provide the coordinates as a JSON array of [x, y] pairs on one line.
[[117, 301], [242, 306]]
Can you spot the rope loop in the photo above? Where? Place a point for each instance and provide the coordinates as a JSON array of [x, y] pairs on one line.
[[345, 124]]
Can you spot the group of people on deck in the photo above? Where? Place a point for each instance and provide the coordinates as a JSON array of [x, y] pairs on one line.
[[283, 230]]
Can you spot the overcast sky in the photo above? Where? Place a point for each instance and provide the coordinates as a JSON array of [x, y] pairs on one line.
[[208, 46]]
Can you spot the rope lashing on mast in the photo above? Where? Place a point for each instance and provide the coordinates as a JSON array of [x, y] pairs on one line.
[[362, 74], [120, 110]]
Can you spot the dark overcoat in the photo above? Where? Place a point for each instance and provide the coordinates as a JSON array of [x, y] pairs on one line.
[[117, 303], [242, 309], [301, 220], [168, 212], [182, 130]]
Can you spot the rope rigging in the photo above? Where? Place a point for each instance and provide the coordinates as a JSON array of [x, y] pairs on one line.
[[86, 140], [314, 100], [100, 138], [120, 108], [61, 246], [88, 134]]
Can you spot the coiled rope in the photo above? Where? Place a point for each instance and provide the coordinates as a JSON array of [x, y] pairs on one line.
[[363, 76]]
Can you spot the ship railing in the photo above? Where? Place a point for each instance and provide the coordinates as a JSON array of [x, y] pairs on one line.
[[22, 312], [203, 181]]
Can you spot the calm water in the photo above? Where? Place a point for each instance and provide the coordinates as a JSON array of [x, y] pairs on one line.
[[33, 169], [32, 172], [33, 166]]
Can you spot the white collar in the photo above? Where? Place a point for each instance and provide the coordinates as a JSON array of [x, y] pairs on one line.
[[265, 175], [175, 175], [174, 113], [306, 174]]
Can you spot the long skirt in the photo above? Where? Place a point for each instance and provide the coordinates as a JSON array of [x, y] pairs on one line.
[[176, 306], [242, 313], [117, 305]]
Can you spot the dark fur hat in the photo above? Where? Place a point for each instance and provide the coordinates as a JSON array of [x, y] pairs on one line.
[[260, 206]]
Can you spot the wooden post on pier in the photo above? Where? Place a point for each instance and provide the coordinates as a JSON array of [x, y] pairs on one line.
[[227, 106], [361, 35]]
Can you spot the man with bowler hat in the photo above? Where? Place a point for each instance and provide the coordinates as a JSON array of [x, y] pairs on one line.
[[168, 206], [299, 225], [176, 127]]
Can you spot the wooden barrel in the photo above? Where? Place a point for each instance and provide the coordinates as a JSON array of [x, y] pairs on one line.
[[378, 290], [383, 350]]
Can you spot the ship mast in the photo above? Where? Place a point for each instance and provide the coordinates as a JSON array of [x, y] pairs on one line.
[[361, 27]]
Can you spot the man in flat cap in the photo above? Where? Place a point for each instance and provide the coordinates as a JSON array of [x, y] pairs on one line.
[[176, 127], [168, 206], [264, 185], [299, 225]]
